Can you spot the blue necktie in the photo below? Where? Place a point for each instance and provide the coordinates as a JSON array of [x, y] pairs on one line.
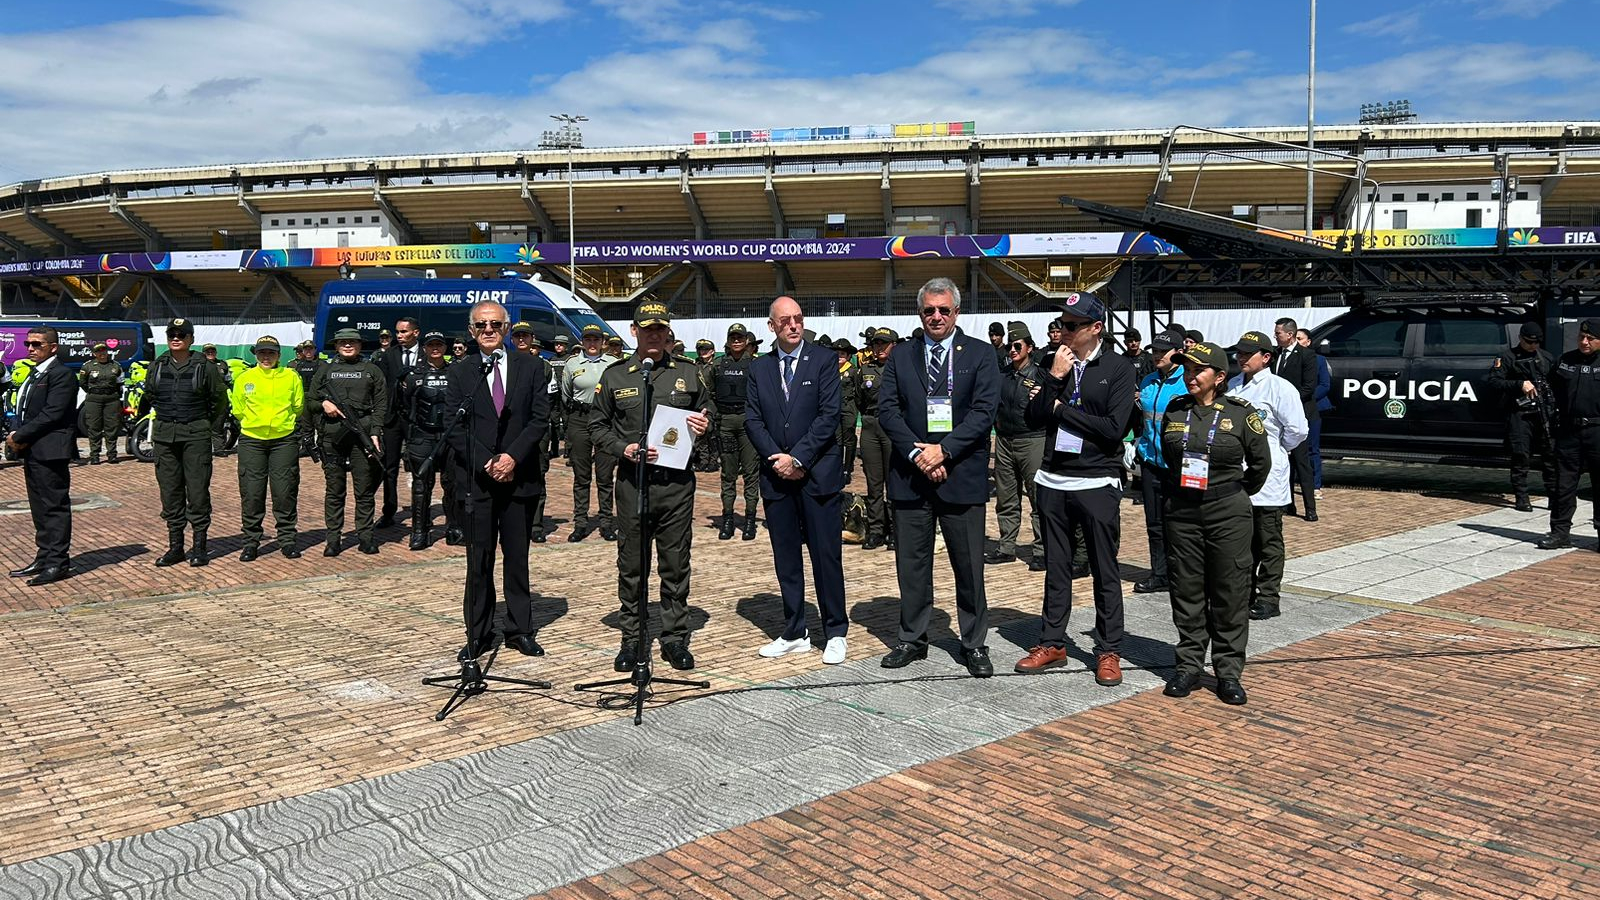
[[788, 375], [935, 367]]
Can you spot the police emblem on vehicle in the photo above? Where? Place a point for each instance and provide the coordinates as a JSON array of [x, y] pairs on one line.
[[1395, 409]]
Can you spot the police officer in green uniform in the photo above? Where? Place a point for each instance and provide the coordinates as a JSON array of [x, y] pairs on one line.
[[1019, 450], [848, 412], [190, 402], [269, 402], [619, 417], [101, 379], [425, 411], [728, 386], [591, 463], [560, 347], [1217, 455], [708, 450], [355, 387], [875, 447]]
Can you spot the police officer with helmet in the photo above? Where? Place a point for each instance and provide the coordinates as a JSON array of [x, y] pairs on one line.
[[1575, 383], [190, 402], [350, 386], [1522, 374], [425, 412]]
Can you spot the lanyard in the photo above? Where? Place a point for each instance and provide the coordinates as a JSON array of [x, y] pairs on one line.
[[1188, 426], [949, 371], [1077, 384]]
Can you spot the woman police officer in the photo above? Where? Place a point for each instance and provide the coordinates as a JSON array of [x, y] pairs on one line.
[[1216, 452]]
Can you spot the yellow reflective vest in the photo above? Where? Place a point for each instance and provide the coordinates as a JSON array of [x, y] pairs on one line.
[[267, 402]]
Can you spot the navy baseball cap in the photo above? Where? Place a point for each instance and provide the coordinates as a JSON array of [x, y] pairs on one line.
[[1083, 305]]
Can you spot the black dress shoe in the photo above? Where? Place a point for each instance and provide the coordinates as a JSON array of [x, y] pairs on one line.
[[1036, 563], [32, 568], [289, 552], [978, 662], [888, 541], [1311, 517], [726, 532], [471, 652], [1554, 541], [903, 654], [1151, 586], [750, 529], [608, 533], [1080, 571], [385, 521], [332, 549], [1231, 692], [539, 538], [626, 659], [51, 574], [249, 553], [1524, 504], [872, 543], [369, 546], [995, 557], [1182, 684], [1262, 610], [525, 644], [678, 656], [578, 534]]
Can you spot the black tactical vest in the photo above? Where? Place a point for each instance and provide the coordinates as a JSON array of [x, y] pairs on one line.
[[730, 382], [178, 398]]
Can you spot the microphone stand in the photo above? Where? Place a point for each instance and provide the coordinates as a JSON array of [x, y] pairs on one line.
[[641, 679], [473, 679]]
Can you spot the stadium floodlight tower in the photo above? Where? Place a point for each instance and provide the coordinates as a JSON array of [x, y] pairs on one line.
[[1391, 112], [570, 136]]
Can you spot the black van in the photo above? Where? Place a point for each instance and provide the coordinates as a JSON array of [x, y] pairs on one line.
[[1410, 376]]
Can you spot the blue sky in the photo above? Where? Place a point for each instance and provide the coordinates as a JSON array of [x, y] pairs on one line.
[[96, 85]]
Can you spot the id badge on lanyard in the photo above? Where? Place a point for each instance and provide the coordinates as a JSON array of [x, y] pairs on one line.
[[1196, 469]]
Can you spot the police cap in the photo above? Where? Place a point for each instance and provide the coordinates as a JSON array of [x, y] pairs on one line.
[[1253, 342], [347, 334], [737, 329], [1591, 327], [522, 328], [432, 336], [885, 336], [1532, 332], [652, 312], [593, 329], [1205, 355], [100, 346], [266, 342], [180, 326]]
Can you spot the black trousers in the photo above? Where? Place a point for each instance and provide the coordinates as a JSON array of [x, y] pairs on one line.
[[1154, 519], [913, 561], [1577, 451], [1096, 513], [49, 484], [1301, 473], [1266, 553], [797, 518], [1525, 438], [502, 519], [394, 439]]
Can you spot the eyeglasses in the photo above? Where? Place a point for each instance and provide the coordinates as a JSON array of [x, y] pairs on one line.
[[33, 345], [1070, 327], [929, 312], [1016, 347], [488, 325]]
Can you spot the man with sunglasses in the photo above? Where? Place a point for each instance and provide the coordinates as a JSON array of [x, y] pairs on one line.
[[1019, 448], [350, 386], [190, 402], [47, 424], [590, 462], [937, 404], [1086, 403], [497, 470]]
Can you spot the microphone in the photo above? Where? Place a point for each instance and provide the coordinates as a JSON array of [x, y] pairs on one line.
[[491, 362], [647, 364]]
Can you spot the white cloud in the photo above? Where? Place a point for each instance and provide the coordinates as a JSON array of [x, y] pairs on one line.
[[1520, 9], [1395, 25], [992, 10]]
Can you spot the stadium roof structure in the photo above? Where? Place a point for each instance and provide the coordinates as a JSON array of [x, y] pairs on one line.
[[968, 184]]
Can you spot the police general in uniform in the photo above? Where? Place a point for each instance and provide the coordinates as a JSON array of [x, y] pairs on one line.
[[1217, 455], [1522, 375], [190, 402], [729, 384], [101, 379], [618, 420], [1576, 385], [426, 413], [590, 462], [350, 386]]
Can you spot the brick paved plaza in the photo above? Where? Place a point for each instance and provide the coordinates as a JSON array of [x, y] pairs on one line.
[[1422, 724]]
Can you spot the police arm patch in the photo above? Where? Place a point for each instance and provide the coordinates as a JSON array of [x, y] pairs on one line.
[[1255, 423]]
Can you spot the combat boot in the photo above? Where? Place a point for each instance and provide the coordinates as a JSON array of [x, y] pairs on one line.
[[420, 526], [197, 553], [1523, 503], [726, 533], [174, 554]]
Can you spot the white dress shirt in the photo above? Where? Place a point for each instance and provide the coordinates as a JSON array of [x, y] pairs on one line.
[[1278, 403]]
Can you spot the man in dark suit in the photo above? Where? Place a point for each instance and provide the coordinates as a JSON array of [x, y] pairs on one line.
[[45, 437], [396, 362], [1298, 366], [792, 401], [939, 397], [495, 450]]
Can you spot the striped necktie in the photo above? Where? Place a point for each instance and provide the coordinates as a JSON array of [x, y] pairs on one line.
[[935, 366], [788, 375]]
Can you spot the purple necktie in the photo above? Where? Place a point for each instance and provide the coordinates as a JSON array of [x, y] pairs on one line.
[[497, 390]]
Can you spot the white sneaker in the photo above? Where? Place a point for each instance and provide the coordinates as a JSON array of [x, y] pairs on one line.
[[1317, 493], [834, 653], [781, 647]]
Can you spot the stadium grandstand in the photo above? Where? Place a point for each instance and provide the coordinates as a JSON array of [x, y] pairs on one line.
[[687, 223]]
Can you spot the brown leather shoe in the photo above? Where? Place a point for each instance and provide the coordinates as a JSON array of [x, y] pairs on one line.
[[1041, 658], [1108, 670]]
